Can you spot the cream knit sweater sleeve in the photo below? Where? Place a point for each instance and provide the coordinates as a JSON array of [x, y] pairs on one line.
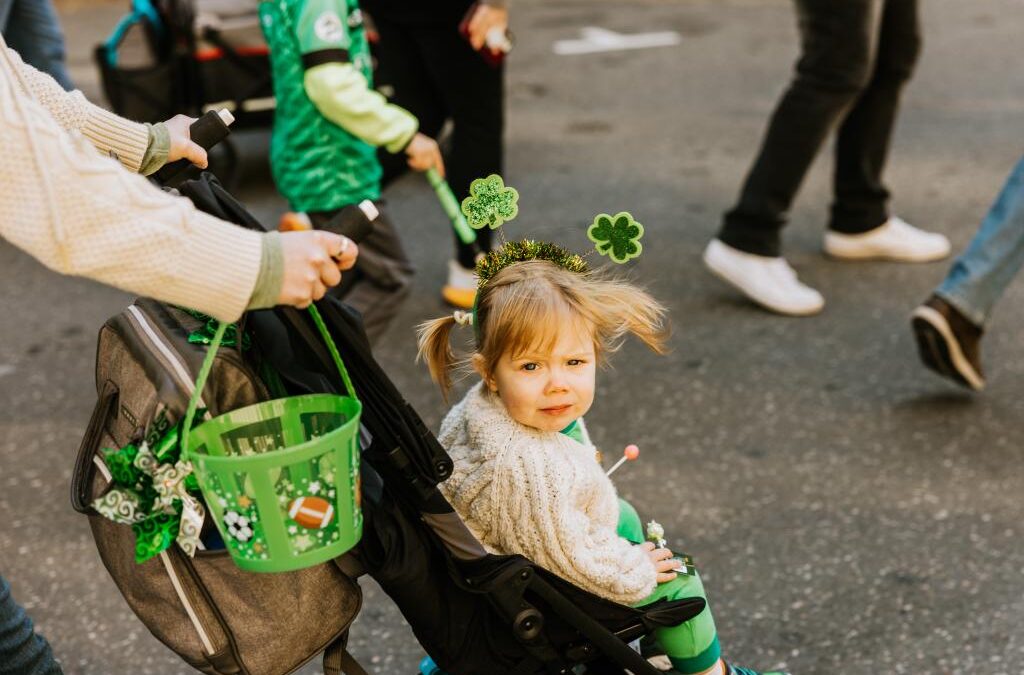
[[111, 135], [80, 213]]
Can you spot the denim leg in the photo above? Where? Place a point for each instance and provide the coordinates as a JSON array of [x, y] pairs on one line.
[[33, 30], [995, 255], [22, 652]]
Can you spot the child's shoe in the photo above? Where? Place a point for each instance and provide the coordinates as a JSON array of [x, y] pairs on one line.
[[730, 669], [460, 291]]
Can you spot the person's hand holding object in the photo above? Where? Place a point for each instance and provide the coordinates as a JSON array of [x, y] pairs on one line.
[[313, 262]]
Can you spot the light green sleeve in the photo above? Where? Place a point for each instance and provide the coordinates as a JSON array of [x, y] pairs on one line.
[[271, 275], [342, 95], [157, 149]]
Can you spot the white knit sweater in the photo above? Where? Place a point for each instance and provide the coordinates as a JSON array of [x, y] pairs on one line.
[[80, 213], [542, 495]]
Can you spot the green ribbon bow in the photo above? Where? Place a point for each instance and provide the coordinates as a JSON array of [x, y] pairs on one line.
[[153, 493], [204, 334]]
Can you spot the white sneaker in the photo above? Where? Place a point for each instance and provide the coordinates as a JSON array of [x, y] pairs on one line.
[[896, 240], [770, 282]]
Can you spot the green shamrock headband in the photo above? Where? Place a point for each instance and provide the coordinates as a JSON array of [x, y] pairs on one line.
[[492, 204], [520, 251]]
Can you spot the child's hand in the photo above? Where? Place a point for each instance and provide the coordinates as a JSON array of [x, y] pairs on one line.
[[662, 559], [182, 146], [424, 154], [313, 262], [486, 19]]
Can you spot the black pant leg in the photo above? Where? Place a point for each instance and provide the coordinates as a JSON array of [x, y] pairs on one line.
[[401, 69], [474, 94], [838, 43], [862, 144]]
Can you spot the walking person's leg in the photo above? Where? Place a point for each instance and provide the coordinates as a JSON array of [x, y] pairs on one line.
[[33, 30], [401, 73], [436, 76], [863, 138], [22, 651], [838, 42], [949, 324], [861, 226], [474, 94]]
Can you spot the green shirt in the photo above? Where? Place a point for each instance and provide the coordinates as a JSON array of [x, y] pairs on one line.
[[574, 431], [317, 164]]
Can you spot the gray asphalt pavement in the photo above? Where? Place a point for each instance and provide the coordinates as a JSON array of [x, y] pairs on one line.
[[850, 512]]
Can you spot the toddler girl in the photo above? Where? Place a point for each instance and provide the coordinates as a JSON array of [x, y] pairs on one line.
[[526, 480]]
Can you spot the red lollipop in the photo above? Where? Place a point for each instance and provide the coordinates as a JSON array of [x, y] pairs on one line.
[[630, 453]]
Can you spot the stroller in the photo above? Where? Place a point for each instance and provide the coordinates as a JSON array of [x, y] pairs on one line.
[[167, 57], [472, 611]]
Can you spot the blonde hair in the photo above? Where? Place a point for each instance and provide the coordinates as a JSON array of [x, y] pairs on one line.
[[523, 306]]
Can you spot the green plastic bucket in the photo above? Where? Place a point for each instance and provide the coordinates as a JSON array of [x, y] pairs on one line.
[[281, 478]]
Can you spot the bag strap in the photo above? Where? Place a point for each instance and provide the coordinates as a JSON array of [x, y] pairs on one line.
[[81, 479], [211, 353], [338, 660]]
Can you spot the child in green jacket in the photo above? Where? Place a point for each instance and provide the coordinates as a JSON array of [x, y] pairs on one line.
[[327, 126]]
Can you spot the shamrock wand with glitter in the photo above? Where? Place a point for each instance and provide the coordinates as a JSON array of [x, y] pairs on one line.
[[490, 203], [451, 207]]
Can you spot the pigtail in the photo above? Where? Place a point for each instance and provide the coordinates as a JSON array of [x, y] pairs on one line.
[[434, 341]]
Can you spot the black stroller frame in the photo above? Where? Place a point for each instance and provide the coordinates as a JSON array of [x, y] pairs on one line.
[[473, 612]]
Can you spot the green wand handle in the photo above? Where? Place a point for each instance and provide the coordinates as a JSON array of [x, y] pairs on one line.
[[451, 207]]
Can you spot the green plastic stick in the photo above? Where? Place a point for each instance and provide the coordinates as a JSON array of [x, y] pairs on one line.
[[451, 207]]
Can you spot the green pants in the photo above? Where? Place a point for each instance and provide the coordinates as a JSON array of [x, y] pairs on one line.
[[691, 646]]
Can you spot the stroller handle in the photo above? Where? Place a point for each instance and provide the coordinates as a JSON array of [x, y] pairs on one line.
[[207, 131]]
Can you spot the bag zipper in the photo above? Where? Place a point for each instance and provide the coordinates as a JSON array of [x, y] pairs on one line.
[[164, 354], [173, 365]]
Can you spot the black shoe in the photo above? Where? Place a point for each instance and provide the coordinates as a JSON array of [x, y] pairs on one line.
[[948, 342]]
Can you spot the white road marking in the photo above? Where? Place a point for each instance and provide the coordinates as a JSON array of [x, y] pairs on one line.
[[596, 40]]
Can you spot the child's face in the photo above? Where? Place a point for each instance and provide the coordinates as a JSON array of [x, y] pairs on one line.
[[548, 391]]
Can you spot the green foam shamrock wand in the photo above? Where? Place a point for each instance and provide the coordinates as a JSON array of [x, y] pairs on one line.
[[490, 203], [617, 237], [451, 206]]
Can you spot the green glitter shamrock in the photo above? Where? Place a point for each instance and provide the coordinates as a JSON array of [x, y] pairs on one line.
[[490, 203], [527, 249], [617, 237]]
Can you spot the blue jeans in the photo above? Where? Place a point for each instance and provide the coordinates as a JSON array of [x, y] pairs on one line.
[[995, 255], [22, 652], [30, 28]]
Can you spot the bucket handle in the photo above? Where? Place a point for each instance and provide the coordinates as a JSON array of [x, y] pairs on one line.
[[211, 352]]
